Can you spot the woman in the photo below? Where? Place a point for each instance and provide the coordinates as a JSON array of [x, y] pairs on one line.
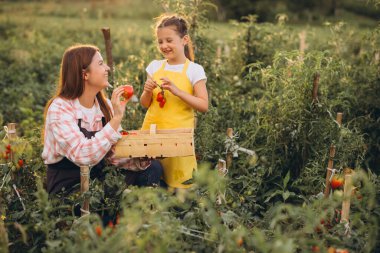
[[81, 125]]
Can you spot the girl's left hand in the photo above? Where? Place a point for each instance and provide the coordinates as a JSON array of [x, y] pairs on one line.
[[170, 86]]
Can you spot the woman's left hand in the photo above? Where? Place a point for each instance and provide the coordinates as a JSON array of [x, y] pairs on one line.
[[170, 86]]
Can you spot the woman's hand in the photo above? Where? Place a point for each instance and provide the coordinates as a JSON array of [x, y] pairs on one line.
[[170, 86], [149, 85], [118, 104]]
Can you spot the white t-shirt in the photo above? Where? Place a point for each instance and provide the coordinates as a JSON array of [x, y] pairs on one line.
[[89, 112], [195, 72]]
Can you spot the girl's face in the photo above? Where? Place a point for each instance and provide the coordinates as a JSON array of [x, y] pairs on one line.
[[171, 45], [97, 73]]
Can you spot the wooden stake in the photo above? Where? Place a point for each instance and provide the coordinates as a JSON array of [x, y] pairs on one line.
[[107, 40], [84, 187], [303, 45], [347, 195], [230, 134], [315, 87], [3, 230], [339, 117], [329, 168], [3, 237], [12, 135], [222, 169], [330, 165]]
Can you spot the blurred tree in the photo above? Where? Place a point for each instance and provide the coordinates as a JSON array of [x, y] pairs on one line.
[[268, 9]]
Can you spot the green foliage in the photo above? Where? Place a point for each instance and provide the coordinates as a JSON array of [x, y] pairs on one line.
[[260, 81]]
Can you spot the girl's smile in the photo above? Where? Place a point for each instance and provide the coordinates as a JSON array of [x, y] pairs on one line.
[[171, 45]]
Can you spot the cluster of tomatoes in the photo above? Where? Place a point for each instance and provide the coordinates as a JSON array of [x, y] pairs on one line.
[[7, 156], [111, 225], [124, 132], [7, 152], [161, 98], [329, 250]]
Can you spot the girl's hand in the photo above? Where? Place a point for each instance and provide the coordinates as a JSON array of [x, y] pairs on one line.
[[170, 86], [118, 104], [149, 85]]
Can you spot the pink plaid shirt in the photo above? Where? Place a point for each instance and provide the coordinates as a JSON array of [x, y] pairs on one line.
[[62, 137]]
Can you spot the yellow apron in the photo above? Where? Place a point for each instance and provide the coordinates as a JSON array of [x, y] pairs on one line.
[[175, 114]]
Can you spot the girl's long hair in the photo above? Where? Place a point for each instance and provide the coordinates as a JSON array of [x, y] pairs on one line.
[[77, 59], [181, 26]]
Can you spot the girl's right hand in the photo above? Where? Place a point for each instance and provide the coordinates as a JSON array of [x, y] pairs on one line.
[[149, 85], [118, 104]]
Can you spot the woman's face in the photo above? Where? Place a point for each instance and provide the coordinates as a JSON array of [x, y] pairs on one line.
[[97, 74]]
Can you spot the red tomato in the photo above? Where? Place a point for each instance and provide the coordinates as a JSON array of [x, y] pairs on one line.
[[160, 96], [336, 182], [123, 132], [9, 147], [240, 242], [20, 162], [162, 103], [128, 91], [98, 230]]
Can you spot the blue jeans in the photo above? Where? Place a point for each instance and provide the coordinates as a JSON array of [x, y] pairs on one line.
[[149, 177]]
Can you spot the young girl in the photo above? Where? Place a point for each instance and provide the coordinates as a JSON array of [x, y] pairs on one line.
[[184, 86], [81, 125]]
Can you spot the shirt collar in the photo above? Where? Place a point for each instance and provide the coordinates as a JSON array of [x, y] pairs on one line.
[[80, 115]]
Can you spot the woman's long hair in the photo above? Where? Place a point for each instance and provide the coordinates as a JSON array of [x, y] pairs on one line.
[[181, 26], [77, 59]]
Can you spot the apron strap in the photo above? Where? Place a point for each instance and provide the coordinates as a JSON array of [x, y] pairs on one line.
[[163, 65], [185, 67]]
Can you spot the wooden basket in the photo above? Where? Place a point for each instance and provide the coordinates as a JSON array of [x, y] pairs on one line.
[[155, 143]]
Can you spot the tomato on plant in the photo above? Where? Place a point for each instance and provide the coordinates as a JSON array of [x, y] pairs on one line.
[[20, 162], [336, 182], [128, 91], [240, 242], [98, 230]]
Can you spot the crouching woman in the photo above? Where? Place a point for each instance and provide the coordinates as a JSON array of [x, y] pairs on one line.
[[82, 125]]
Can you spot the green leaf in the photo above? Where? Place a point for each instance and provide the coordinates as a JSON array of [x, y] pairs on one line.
[[286, 179], [285, 195]]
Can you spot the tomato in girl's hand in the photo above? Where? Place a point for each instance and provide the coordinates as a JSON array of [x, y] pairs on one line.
[[128, 91], [162, 102], [160, 96]]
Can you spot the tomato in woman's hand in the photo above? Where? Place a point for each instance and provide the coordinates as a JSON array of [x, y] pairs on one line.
[[128, 91]]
